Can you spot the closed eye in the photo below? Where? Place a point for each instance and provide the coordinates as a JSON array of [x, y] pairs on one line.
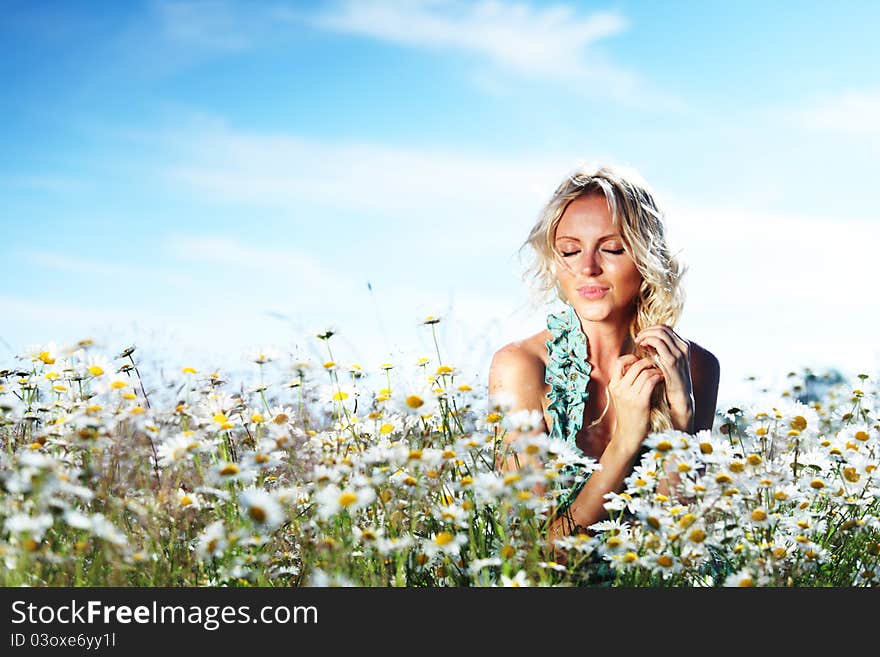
[[566, 254]]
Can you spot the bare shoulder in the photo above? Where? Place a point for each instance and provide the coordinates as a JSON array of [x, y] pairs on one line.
[[517, 359], [517, 370]]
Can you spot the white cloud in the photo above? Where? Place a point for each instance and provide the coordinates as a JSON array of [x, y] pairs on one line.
[[853, 113], [545, 41]]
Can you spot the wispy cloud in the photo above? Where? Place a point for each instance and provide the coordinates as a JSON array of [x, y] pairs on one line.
[[217, 25], [853, 113], [532, 41], [402, 185], [228, 253], [62, 262]]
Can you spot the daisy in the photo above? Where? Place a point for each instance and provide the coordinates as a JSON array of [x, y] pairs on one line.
[[263, 354], [225, 472], [35, 526], [517, 581], [331, 500], [212, 542], [178, 448], [742, 578], [97, 366], [188, 500], [444, 543], [261, 508]]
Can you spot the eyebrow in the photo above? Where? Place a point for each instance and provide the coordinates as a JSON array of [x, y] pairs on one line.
[[575, 239]]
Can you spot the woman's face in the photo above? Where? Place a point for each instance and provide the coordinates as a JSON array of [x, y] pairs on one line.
[[601, 281]]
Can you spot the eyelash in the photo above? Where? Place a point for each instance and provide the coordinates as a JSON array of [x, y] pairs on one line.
[[614, 251]]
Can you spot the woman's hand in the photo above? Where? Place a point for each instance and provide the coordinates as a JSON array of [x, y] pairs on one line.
[[673, 359], [630, 385]]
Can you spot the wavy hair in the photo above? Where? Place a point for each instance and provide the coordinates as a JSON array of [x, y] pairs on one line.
[[635, 213]]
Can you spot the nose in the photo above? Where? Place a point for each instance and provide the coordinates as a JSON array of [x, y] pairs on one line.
[[590, 263]]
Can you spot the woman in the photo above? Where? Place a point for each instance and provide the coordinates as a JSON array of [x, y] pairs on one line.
[[609, 369]]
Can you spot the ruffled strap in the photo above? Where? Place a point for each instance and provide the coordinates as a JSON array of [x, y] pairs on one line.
[[568, 374]]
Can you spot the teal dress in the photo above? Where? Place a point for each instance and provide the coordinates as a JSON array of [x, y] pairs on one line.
[[568, 374]]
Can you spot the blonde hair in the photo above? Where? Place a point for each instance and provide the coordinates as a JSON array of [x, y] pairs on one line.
[[635, 213]]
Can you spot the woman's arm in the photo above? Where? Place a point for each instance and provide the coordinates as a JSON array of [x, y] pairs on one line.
[[630, 385]]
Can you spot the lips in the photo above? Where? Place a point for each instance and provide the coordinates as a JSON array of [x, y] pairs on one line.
[[592, 291]]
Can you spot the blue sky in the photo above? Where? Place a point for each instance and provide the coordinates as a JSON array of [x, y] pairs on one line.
[[205, 177]]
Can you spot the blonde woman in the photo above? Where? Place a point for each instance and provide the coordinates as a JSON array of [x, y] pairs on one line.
[[609, 369]]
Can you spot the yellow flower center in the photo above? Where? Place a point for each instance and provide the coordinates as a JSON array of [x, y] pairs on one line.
[[664, 446], [799, 423], [414, 401], [664, 560], [386, 428], [759, 515], [850, 474], [95, 370], [347, 499], [754, 459], [818, 484], [687, 520], [697, 536], [861, 435], [706, 448], [230, 469]]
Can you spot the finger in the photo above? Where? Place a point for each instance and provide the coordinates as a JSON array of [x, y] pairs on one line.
[[666, 334], [666, 355], [646, 382], [621, 365], [637, 368]]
